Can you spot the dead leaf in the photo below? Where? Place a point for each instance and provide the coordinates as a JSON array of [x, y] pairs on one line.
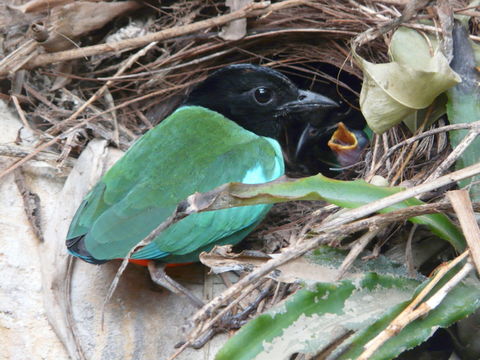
[[221, 259], [54, 257], [236, 29], [412, 81], [69, 22]]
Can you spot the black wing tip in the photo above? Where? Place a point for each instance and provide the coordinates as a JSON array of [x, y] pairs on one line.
[[76, 247]]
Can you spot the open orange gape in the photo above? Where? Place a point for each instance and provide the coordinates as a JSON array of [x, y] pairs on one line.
[[345, 144]]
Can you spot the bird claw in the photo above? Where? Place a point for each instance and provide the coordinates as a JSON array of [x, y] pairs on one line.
[[160, 277]]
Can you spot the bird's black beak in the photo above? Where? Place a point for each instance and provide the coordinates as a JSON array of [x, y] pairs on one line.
[[307, 101], [311, 134]]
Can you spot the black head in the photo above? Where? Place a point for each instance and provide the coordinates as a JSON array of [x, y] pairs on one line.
[[257, 98]]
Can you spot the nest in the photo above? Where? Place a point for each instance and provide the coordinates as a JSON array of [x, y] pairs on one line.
[[296, 39]]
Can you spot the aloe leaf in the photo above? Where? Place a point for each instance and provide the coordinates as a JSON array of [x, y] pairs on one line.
[[315, 316], [348, 194], [329, 257], [462, 301], [464, 103], [320, 314]]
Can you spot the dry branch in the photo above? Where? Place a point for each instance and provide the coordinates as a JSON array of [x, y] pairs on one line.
[[359, 245], [456, 153], [468, 221], [252, 10], [22, 151], [31, 204]]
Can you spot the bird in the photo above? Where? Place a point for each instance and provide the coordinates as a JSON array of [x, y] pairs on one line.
[[348, 144], [329, 149], [226, 130], [326, 142]]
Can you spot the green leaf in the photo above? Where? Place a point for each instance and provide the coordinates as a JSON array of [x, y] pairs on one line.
[[412, 81], [464, 104], [313, 317], [349, 194]]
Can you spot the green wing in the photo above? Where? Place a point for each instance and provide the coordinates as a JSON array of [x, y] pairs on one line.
[[194, 149]]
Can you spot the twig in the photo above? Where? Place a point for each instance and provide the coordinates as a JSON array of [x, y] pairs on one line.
[[425, 134], [111, 104], [385, 146], [357, 248], [410, 10], [25, 52], [93, 108], [38, 149], [248, 290], [375, 163], [179, 351], [436, 30], [70, 321], [463, 208], [454, 155], [406, 160], [409, 253], [21, 151], [20, 112], [153, 234], [199, 60]]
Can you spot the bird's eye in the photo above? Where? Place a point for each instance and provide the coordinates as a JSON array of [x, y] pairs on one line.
[[263, 95]]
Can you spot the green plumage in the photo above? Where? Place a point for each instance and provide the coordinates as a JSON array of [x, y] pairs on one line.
[[194, 149]]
